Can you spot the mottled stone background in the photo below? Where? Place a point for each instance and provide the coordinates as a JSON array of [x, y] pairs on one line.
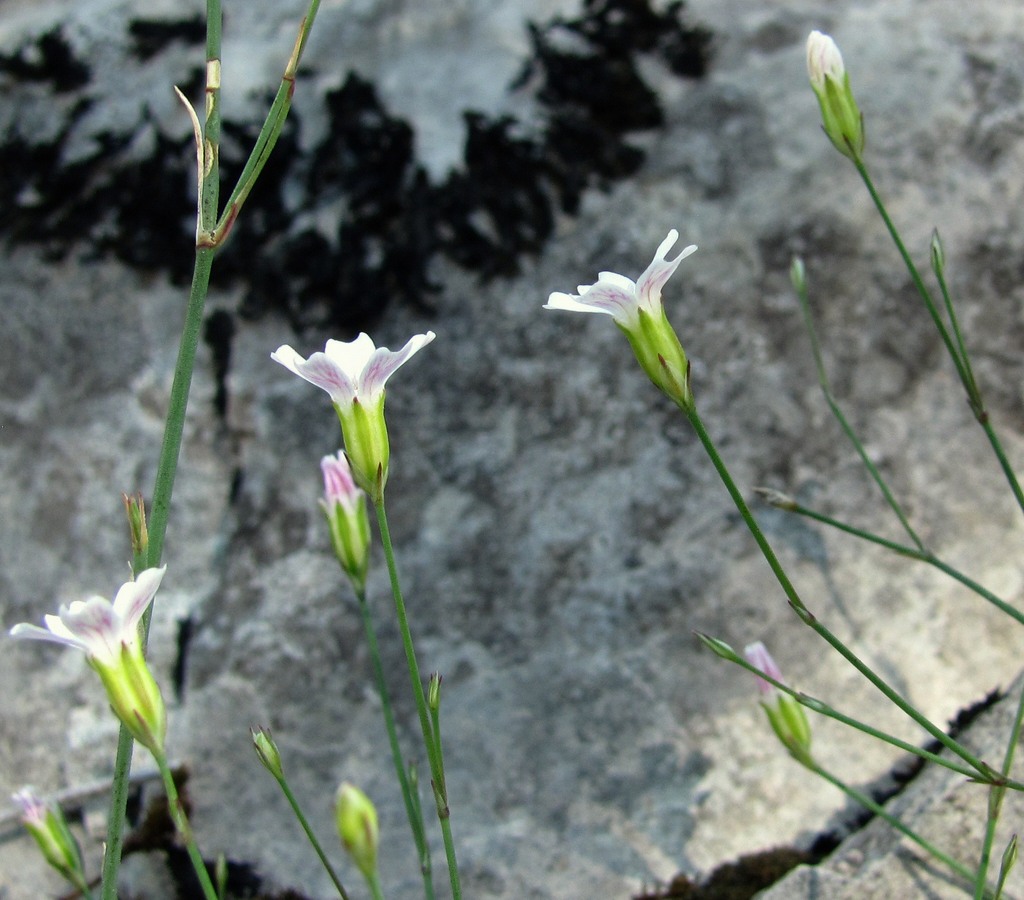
[[559, 530]]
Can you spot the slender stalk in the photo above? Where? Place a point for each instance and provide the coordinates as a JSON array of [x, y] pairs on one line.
[[961, 363], [926, 557], [268, 135], [938, 267], [432, 748], [915, 276], [412, 807], [311, 837], [996, 794], [181, 823], [809, 619], [373, 882], [207, 225], [863, 799], [164, 487], [805, 308]]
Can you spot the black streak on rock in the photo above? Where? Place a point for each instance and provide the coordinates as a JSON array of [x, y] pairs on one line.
[[49, 60], [497, 208], [151, 37]]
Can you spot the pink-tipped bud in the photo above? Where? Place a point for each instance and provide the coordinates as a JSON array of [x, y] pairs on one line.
[[344, 506], [785, 715]]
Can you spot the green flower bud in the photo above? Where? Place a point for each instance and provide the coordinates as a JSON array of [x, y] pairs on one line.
[[357, 824], [840, 116]]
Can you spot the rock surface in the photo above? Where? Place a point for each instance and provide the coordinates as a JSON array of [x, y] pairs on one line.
[[559, 530]]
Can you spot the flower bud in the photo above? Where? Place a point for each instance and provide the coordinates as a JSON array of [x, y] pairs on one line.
[[344, 506], [785, 715], [267, 751], [434, 691], [840, 116], [135, 508], [358, 829], [48, 827]]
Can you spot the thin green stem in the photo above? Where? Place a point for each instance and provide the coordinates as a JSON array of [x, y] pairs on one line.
[[826, 388], [996, 794], [269, 134], [1004, 463], [311, 837], [373, 882], [963, 871], [808, 618], [960, 361], [181, 823], [433, 751], [926, 557], [938, 265], [412, 808], [915, 276]]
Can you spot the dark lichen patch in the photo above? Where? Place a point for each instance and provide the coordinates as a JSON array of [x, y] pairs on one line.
[[132, 197], [150, 37], [49, 59]]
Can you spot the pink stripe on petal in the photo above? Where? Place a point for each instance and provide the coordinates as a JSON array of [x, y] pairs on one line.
[[322, 371], [134, 596]]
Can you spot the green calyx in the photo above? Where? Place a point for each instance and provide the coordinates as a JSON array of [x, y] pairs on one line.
[[366, 445], [661, 355]]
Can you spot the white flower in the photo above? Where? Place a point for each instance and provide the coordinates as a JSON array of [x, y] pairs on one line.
[[636, 308], [354, 374], [620, 297], [97, 626], [353, 371], [108, 633]]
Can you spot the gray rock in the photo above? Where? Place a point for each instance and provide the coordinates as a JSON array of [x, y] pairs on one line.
[[559, 531]]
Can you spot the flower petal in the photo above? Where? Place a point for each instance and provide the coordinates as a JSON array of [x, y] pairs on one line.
[[97, 626], [24, 631], [351, 356], [383, 364], [650, 283], [134, 596], [572, 303]]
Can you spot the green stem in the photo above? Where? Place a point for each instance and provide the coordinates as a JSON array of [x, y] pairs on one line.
[[373, 882], [311, 837], [433, 752], [915, 276], [181, 823], [961, 363], [808, 618], [996, 794], [863, 799], [166, 470], [269, 133], [926, 557], [826, 388], [412, 808], [1004, 463]]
